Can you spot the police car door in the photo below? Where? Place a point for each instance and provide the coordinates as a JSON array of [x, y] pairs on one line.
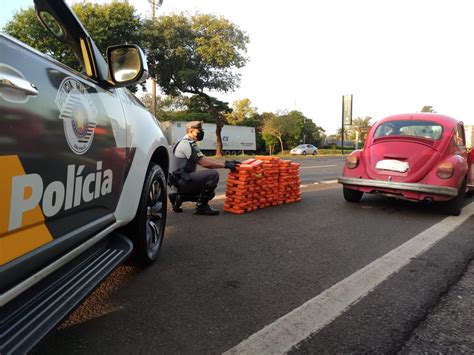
[[62, 157]]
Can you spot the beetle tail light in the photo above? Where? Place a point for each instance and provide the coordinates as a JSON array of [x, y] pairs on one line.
[[445, 170], [352, 161]]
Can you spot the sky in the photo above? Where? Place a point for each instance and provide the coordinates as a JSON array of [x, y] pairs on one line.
[[393, 56]]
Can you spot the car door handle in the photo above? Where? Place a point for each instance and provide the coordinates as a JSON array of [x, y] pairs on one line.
[[16, 83]]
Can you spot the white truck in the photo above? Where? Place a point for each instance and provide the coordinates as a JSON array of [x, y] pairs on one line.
[[235, 139]]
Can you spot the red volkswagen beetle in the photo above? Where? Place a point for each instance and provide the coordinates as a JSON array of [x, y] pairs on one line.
[[417, 157]]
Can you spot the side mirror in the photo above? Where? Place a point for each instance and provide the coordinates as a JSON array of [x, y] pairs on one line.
[[127, 65]]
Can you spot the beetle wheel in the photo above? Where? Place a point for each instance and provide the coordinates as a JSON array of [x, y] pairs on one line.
[[351, 195], [454, 206]]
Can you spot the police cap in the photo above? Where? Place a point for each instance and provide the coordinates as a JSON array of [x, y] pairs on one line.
[[194, 124]]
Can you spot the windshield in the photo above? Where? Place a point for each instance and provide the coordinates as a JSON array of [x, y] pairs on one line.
[[422, 129]]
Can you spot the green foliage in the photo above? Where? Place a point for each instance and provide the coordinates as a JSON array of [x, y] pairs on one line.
[[293, 128], [359, 129], [241, 110], [198, 105], [108, 24], [183, 108], [196, 54], [25, 27], [193, 54], [281, 127]]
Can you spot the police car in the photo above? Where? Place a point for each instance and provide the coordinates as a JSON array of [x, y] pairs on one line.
[[83, 169]]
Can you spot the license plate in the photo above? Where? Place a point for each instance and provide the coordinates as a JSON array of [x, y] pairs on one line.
[[392, 165]]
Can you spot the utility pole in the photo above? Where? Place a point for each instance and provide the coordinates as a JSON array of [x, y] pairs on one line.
[[346, 117], [154, 5]]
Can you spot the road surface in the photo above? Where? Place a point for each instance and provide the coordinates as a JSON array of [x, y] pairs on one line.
[[321, 275]]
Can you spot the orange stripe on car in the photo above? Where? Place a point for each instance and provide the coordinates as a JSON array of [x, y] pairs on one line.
[[33, 232]]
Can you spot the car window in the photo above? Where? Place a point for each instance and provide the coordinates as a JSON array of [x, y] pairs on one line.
[[423, 129]]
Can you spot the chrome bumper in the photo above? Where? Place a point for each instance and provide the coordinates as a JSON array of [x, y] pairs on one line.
[[406, 186]]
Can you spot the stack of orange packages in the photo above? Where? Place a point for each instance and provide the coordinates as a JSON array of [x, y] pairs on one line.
[[240, 192], [269, 182], [289, 182], [262, 182]]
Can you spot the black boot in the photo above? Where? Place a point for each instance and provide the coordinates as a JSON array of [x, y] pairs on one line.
[[205, 209], [176, 202], [202, 205]]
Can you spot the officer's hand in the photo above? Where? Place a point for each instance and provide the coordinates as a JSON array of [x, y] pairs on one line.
[[231, 164]]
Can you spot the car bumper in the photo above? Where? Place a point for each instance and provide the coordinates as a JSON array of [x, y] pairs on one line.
[[402, 186]]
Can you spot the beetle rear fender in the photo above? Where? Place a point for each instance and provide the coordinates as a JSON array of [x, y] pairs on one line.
[[359, 169], [455, 181]]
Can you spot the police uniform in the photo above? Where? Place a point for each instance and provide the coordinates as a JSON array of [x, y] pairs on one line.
[[191, 185]]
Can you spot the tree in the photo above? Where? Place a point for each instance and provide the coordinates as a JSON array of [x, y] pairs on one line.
[[315, 133], [198, 109], [241, 110], [359, 129], [256, 120], [428, 109], [298, 121], [108, 24], [194, 55], [168, 108], [279, 127], [269, 139]]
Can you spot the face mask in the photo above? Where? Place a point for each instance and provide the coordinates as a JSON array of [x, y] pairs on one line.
[[200, 135]]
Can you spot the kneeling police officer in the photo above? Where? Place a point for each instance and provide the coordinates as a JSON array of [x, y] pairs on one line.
[[192, 185]]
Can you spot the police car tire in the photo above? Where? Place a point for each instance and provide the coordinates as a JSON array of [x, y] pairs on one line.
[[147, 246]]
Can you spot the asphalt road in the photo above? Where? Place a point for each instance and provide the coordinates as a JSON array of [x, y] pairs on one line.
[[222, 279]]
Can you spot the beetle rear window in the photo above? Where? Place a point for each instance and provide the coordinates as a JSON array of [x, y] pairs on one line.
[[422, 129]]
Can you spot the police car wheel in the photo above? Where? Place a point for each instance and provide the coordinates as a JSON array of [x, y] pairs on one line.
[[148, 227]]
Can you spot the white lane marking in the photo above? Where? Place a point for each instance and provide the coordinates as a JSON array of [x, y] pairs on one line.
[[303, 185], [289, 330], [318, 166], [315, 183], [329, 182]]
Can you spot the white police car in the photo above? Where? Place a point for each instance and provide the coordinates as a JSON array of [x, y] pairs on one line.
[[82, 178]]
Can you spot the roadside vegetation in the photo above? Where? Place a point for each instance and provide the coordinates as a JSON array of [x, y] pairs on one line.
[[190, 56]]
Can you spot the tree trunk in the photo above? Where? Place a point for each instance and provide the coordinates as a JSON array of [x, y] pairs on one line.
[[281, 144], [219, 122], [219, 125]]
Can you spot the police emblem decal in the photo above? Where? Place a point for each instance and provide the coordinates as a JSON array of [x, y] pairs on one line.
[[79, 114]]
